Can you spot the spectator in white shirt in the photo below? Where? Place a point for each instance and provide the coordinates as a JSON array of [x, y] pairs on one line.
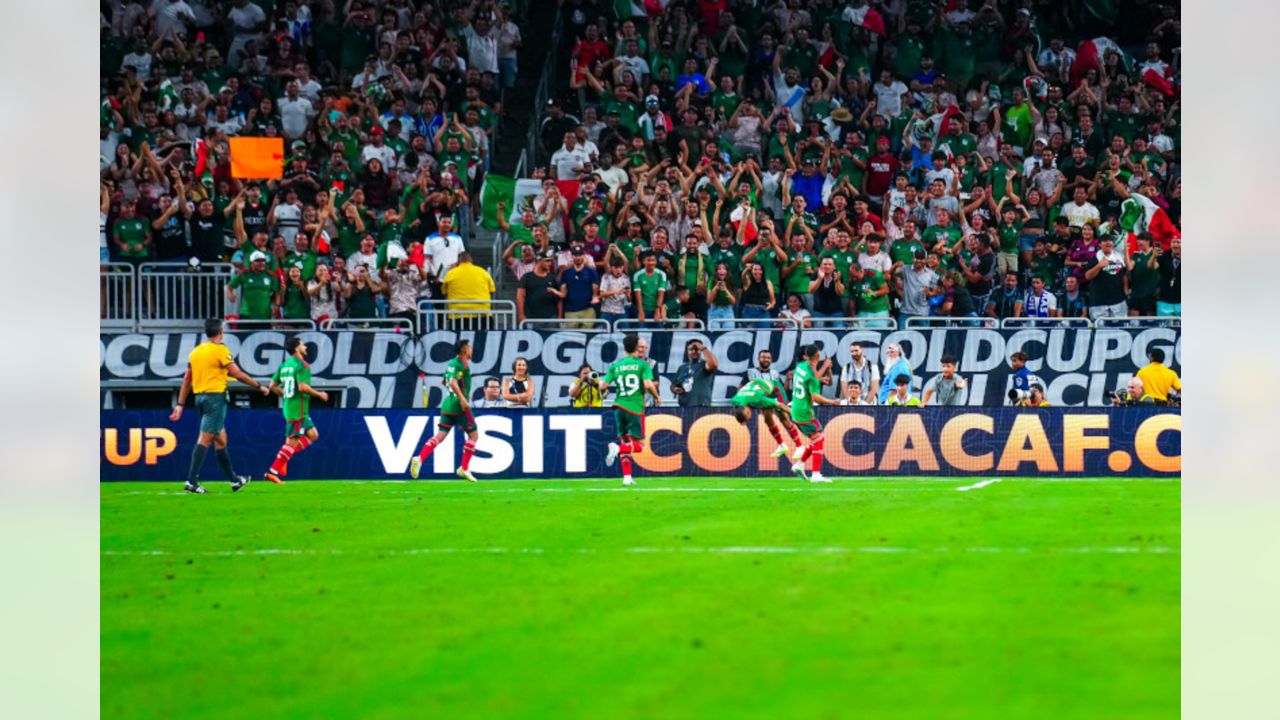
[[1080, 211], [889, 94], [247, 22], [295, 112], [444, 247], [376, 149], [482, 44], [570, 159]]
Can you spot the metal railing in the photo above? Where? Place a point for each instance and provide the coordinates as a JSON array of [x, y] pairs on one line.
[[389, 324], [681, 324], [118, 302], [553, 324], [466, 315], [777, 323], [1145, 321], [250, 325], [1013, 323], [924, 323], [170, 296], [856, 323]]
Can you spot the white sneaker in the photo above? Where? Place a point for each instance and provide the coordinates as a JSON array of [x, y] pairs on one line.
[[466, 475], [799, 453], [626, 480], [415, 465], [799, 471], [818, 477], [778, 452], [612, 457]]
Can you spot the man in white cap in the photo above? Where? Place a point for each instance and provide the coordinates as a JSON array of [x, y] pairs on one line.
[[653, 117], [260, 289]]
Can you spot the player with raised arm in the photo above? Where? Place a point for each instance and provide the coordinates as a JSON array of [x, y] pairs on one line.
[[766, 395], [806, 389], [455, 412], [632, 377], [292, 382]]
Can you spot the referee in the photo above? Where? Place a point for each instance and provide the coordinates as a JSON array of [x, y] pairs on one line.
[[207, 370]]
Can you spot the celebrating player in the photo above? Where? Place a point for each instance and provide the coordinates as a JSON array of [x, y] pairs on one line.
[[455, 411], [633, 377], [765, 394], [806, 389], [292, 382], [207, 370]]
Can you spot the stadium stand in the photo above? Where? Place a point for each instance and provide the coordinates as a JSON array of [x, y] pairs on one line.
[[959, 162]]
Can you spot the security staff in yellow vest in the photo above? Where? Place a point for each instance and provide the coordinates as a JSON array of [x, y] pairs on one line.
[[207, 369]]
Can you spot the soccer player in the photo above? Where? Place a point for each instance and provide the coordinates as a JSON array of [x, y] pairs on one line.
[[765, 394], [806, 389], [633, 378], [207, 368], [455, 411], [292, 382]]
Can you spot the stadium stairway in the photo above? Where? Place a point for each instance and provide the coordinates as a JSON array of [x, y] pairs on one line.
[[518, 112]]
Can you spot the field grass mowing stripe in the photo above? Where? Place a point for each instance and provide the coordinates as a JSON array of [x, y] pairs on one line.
[[651, 550]]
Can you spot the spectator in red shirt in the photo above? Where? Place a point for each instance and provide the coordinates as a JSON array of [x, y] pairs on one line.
[[880, 170]]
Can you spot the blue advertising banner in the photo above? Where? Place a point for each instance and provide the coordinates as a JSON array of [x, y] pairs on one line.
[[1077, 367], [877, 441]]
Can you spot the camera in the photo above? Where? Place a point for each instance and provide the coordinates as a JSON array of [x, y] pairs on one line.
[[1016, 396], [594, 376]]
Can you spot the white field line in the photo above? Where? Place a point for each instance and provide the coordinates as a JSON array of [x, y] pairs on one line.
[[977, 485], [669, 550]]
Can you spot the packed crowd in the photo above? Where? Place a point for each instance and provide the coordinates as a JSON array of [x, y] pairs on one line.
[[822, 161], [387, 110]]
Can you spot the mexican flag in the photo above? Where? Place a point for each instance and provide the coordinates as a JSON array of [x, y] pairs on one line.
[[515, 193], [864, 17], [1138, 214], [1091, 53]]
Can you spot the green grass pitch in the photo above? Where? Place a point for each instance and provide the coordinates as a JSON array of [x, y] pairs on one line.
[[683, 597]]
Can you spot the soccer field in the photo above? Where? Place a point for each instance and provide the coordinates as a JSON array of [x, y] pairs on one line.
[[682, 597]]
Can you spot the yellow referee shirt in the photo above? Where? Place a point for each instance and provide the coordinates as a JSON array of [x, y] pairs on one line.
[[209, 362], [1158, 380]]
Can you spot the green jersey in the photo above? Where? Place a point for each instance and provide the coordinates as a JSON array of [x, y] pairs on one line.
[[759, 393], [648, 286], [1009, 235], [460, 371], [628, 375], [1144, 281], [256, 291], [133, 233], [798, 280], [864, 292], [290, 376], [904, 251], [804, 385]]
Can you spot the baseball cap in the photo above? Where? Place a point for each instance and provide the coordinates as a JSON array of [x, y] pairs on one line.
[[651, 100], [576, 250], [257, 255], [546, 255], [634, 220], [1041, 139], [376, 130], [921, 255]]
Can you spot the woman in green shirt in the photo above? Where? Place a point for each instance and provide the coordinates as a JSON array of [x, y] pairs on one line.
[[297, 302]]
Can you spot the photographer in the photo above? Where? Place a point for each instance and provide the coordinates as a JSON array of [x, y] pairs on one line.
[[1034, 397], [1160, 382], [692, 383], [585, 391], [1022, 379], [1133, 394]]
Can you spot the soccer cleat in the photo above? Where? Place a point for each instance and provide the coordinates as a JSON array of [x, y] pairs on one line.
[[612, 457], [799, 453], [195, 488], [799, 471], [466, 475], [778, 452], [241, 481], [626, 480], [415, 465], [818, 477], [273, 476]]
